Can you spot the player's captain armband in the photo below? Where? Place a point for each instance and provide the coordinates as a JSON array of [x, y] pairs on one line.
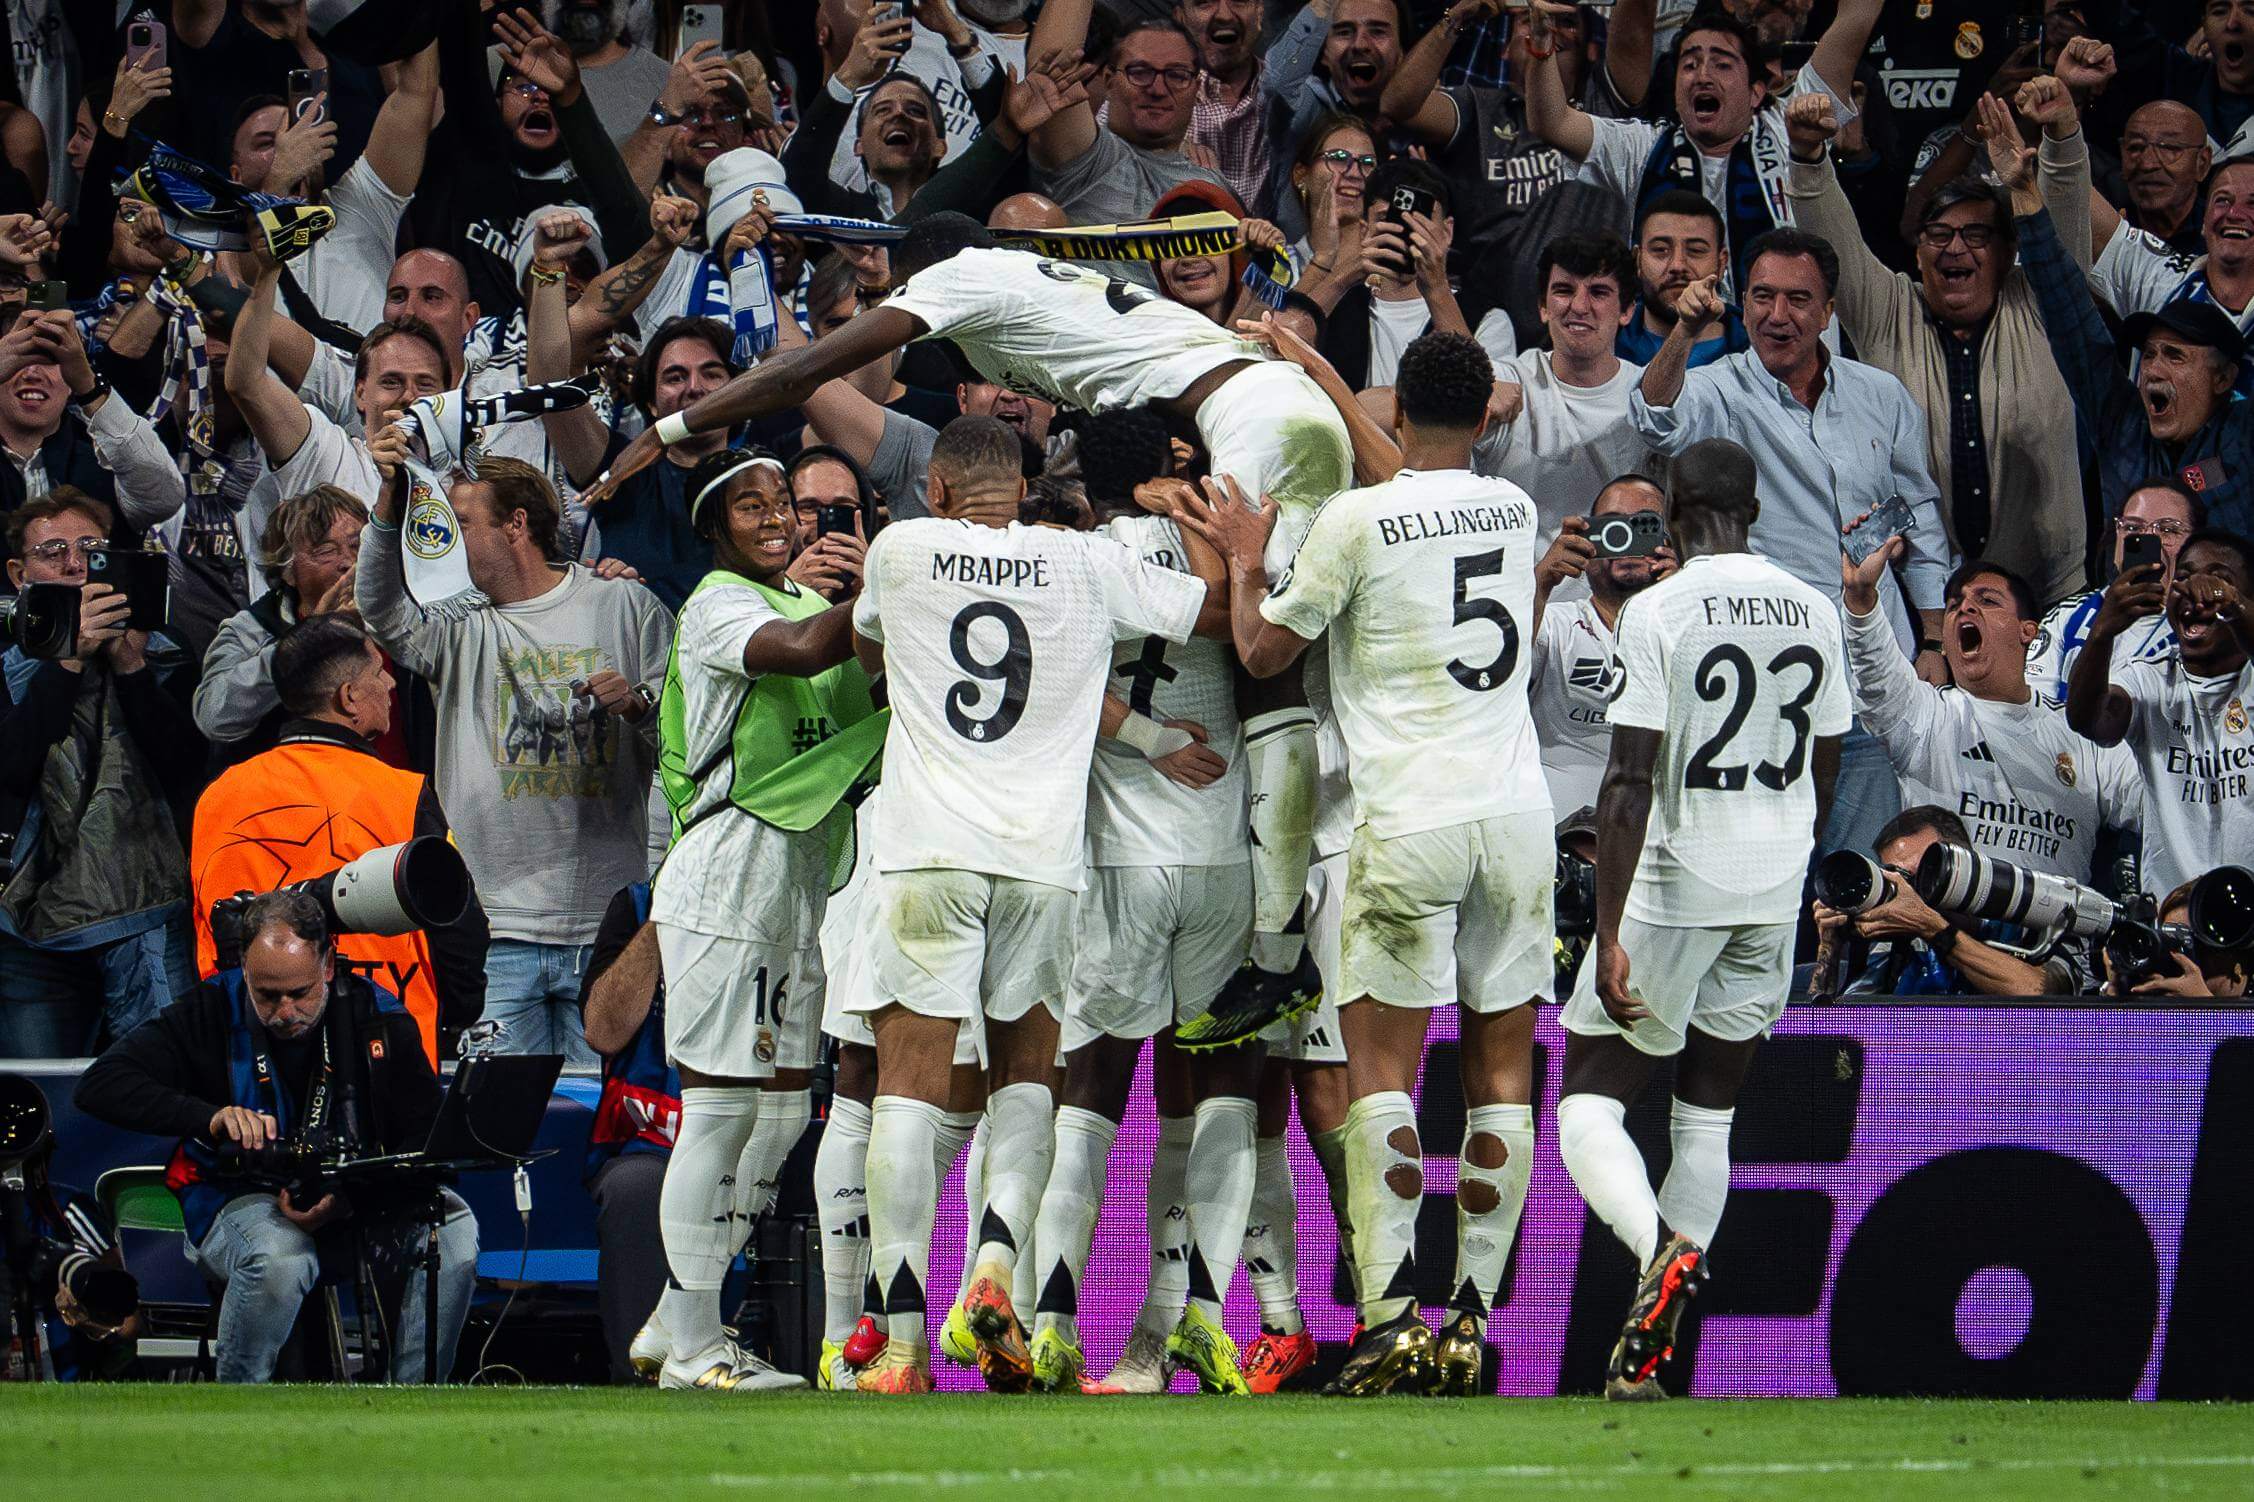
[[1149, 737]]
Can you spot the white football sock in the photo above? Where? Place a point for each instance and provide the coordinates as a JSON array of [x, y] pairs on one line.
[[903, 1201], [1280, 765], [1385, 1220], [974, 1200], [1219, 1182], [1698, 1181], [1592, 1137], [1020, 1145], [1271, 1238], [841, 1204], [783, 1115], [1070, 1207], [1166, 1220], [696, 1211], [1489, 1202]]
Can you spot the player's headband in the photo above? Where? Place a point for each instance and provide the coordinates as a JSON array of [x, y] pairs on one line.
[[749, 461]]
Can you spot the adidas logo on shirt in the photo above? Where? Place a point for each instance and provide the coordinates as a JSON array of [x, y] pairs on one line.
[[1979, 752]]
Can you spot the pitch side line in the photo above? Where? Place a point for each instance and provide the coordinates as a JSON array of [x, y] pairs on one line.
[[1443, 1477]]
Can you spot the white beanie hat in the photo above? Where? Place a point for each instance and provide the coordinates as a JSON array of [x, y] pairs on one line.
[[520, 254], [732, 178]]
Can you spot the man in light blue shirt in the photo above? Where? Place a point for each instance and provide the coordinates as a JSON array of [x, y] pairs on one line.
[[1832, 439]]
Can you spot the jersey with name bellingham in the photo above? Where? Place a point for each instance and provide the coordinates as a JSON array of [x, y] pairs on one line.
[[2193, 740], [1137, 816], [1426, 586], [1739, 666], [997, 645], [2028, 788], [1057, 330]]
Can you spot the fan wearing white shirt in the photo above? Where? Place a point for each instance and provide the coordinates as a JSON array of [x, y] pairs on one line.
[[1424, 588], [1569, 434], [1725, 748], [2186, 719], [1989, 748], [997, 640]]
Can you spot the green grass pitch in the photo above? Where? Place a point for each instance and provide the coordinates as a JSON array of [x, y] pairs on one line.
[[176, 1443]]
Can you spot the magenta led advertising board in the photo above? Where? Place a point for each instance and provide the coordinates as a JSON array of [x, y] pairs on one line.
[[2000, 1200]]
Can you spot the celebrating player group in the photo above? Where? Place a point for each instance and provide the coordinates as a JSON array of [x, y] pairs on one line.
[[1246, 772]]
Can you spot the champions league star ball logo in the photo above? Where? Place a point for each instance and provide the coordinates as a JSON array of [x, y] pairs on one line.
[[431, 534]]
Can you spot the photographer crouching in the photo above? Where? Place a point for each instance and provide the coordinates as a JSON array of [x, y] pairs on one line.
[[286, 1053]]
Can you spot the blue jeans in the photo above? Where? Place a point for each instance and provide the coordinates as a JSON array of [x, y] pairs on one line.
[[532, 992], [1865, 797], [61, 1003], [269, 1265]]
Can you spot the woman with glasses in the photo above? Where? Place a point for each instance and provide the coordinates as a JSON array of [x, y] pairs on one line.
[[1334, 164], [2155, 518]]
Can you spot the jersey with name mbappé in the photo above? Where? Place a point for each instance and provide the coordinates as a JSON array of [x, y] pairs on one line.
[[1739, 666], [997, 645], [2192, 738], [1426, 586], [1137, 816], [1060, 331]]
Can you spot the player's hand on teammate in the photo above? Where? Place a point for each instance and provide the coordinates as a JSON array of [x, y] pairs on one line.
[[1166, 496], [1612, 984], [1195, 765], [1224, 517], [1569, 556], [615, 568]]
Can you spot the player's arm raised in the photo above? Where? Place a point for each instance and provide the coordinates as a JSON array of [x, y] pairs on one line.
[[1172, 498], [1239, 533], [780, 381]]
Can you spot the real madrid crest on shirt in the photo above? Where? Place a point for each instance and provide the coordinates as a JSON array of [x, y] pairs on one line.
[[1970, 43], [2234, 717], [2066, 768]]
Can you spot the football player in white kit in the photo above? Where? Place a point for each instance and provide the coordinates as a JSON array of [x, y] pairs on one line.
[[1425, 586], [1725, 746], [1075, 337], [996, 639], [1164, 921], [755, 804]]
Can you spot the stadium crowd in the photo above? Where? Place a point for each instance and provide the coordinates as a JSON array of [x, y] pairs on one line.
[[516, 417]]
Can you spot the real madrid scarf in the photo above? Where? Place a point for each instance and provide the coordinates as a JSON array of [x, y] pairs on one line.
[[1753, 202], [744, 289], [443, 430]]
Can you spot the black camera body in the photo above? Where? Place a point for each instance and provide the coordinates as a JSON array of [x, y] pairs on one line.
[[42, 621], [1634, 534], [39, 1264], [2140, 946]]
